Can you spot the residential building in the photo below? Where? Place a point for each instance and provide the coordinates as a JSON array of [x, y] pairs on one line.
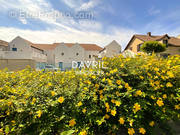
[[20, 48], [60, 55], [172, 43], [110, 50], [66, 53], [3, 47]]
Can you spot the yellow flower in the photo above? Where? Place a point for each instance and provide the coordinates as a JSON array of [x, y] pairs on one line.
[[164, 96], [177, 107], [126, 85], [85, 88], [160, 102], [101, 97], [156, 69], [138, 93], [49, 84], [33, 100], [141, 77], [142, 131], [1, 130], [53, 93], [131, 122], [93, 77], [112, 100], [131, 131], [153, 97], [13, 121], [169, 84], [9, 103], [39, 113], [170, 74], [117, 93], [106, 116], [152, 123], [118, 82], [101, 92], [61, 100], [121, 121], [8, 113], [113, 112], [97, 86], [72, 122], [84, 110], [83, 132], [120, 86], [104, 79], [136, 107], [79, 104], [118, 103]]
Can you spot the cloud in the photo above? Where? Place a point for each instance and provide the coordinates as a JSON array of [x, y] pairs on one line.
[[63, 29], [59, 35], [79, 5], [153, 11], [89, 5]]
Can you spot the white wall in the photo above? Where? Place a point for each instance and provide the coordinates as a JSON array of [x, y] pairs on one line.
[[24, 51], [111, 50], [74, 53]]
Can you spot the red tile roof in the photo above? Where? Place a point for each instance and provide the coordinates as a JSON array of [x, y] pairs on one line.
[[171, 40], [45, 46], [4, 43], [87, 47]]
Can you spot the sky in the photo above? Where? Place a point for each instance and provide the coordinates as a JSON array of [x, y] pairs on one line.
[[87, 21]]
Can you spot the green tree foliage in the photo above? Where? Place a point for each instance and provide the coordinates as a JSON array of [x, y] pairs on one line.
[[153, 46]]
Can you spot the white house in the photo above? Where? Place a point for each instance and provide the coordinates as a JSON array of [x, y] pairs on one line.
[[66, 53], [60, 55], [20, 48], [112, 49], [3, 47]]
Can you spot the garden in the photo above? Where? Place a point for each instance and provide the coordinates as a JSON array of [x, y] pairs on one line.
[[131, 96]]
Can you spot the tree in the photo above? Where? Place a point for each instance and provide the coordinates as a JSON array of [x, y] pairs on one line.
[[153, 46]]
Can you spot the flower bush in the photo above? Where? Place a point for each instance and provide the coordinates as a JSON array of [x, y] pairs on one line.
[[129, 96]]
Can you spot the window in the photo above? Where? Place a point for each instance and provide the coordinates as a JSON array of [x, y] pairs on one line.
[[165, 55], [14, 49], [77, 54], [89, 56], [62, 54], [165, 42], [139, 47]]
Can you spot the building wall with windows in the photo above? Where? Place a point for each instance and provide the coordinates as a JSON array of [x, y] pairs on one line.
[[64, 55], [134, 45], [22, 49]]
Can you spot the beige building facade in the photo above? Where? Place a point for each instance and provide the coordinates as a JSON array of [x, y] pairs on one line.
[[110, 50], [60, 55], [172, 43]]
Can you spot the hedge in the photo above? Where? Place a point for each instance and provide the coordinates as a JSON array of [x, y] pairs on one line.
[[129, 96]]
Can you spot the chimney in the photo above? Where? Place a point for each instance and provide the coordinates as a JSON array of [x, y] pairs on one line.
[[149, 33]]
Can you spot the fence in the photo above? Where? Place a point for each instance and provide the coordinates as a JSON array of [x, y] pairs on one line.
[[16, 64]]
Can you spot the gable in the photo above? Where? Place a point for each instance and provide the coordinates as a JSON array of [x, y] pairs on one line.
[[134, 42]]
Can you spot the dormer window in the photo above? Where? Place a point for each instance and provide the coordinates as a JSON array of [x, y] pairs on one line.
[[77, 54], [89, 56], [62, 54]]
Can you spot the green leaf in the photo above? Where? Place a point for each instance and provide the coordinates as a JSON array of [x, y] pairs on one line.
[[7, 129], [69, 132]]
